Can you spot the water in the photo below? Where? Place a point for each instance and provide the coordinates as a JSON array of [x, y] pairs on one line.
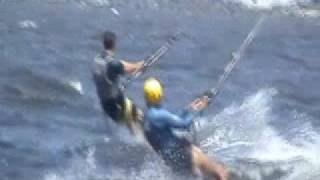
[[264, 124]]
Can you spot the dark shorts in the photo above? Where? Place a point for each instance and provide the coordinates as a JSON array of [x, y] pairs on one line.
[[121, 110], [178, 156], [113, 107]]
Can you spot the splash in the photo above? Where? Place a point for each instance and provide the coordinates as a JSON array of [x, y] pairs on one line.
[[28, 24], [238, 123], [76, 85], [299, 8], [303, 12], [243, 132], [266, 4], [80, 169], [87, 168], [115, 11]]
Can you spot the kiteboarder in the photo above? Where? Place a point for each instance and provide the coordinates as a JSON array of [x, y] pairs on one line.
[[177, 152], [106, 74]]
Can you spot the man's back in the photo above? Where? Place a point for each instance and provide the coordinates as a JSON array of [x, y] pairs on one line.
[[178, 153], [108, 91], [158, 125]]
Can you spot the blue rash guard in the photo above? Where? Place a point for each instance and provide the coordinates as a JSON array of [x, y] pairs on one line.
[[158, 126]]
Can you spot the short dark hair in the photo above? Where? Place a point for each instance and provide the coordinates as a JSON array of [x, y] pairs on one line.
[[109, 40]]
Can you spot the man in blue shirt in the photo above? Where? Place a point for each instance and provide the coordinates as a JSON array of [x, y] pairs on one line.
[[178, 153]]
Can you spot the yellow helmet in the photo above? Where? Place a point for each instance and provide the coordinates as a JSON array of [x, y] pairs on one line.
[[153, 91]]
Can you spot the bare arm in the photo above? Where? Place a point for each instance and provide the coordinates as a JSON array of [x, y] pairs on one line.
[[185, 120], [130, 68], [199, 104], [175, 121]]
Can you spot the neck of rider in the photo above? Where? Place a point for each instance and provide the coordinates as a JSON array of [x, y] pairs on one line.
[[149, 104]]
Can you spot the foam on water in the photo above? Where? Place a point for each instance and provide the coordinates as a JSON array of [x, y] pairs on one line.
[[115, 11], [266, 3], [244, 132], [240, 132], [84, 168], [238, 122], [262, 4], [79, 169], [301, 12], [76, 85], [28, 24], [300, 8]]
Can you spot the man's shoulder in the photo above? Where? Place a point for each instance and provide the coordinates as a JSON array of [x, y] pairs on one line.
[[98, 65], [102, 59], [98, 61]]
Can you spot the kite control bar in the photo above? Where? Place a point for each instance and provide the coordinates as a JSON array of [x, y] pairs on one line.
[[150, 60]]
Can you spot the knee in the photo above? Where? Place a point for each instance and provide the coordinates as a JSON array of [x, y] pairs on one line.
[[224, 173]]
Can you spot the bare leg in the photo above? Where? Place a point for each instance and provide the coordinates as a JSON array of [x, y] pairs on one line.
[[206, 166], [134, 128], [133, 117]]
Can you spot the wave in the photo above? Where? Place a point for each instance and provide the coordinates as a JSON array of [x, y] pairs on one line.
[[86, 167], [267, 4], [28, 24], [299, 8], [244, 137], [36, 86], [118, 8], [241, 136], [163, 3]]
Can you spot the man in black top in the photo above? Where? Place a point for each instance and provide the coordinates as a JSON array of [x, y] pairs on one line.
[[106, 74]]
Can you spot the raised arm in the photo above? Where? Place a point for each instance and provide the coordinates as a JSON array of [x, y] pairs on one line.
[[175, 121], [185, 119], [130, 67]]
